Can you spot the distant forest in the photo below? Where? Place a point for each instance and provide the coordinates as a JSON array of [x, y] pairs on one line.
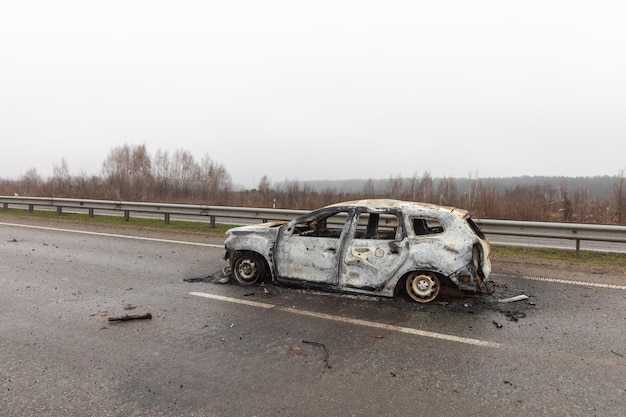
[[130, 173]]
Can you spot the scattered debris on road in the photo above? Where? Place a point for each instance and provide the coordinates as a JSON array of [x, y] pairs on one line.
[[296, 351], [322, 345], [514, 315], [219, 277], [514, 299], [498, 325], [128, 317], [101, 313], [197, 279]]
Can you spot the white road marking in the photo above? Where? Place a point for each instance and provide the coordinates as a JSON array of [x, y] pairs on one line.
[[180, 242], [408, 330], [580, 283]]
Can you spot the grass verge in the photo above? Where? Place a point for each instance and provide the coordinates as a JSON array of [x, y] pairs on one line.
[[606, 259]]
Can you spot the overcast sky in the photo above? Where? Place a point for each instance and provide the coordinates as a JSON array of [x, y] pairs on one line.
[[320, 89]]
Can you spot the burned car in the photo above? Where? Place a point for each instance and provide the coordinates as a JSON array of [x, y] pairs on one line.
[[376, 247]]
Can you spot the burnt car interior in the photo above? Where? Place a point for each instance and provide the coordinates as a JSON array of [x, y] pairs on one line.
[[422, 226], [376, 226], [329, 226], [382, 226]]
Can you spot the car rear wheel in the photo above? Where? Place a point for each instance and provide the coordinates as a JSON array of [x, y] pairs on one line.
[[248, 268], [423, 287]]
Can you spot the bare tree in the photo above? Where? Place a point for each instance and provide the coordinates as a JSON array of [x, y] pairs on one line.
[[426, 188], [619, 194], [447, 192], [128, 172], [265, 188], [214, 180], [395, 187], [185, 173], [161, 174], [85, 186], [413, 189], [566, 204], [581, 206], [61, 180], [368, 189], [292, 194], [31, 182], [487, 203]]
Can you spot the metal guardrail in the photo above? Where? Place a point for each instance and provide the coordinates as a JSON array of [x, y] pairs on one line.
[[551, 230], [572, 231], [166, 209]]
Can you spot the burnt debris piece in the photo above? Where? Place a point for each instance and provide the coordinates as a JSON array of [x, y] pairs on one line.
[[514, 299], [128, 317], [219, 277], [322, 345]]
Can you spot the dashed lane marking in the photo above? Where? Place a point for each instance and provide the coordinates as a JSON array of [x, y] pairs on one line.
[[400, 329]]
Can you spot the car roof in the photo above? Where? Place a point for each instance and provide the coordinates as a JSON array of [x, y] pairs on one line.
[[387, 203]]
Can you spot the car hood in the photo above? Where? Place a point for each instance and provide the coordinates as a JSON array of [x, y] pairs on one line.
[[261, 228]]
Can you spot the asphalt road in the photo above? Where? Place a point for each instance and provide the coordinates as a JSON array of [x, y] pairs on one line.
[[222, 350]]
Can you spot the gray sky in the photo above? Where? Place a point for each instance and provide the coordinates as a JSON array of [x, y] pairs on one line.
[[317, 90]]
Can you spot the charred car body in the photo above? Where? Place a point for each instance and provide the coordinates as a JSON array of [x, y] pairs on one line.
[[375, 247]]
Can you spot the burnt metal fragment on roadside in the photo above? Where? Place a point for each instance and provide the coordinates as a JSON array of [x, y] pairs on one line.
[[322, 345], [129, 317]]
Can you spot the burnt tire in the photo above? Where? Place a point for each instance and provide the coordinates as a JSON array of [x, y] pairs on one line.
[[248, 268], [422, 287]]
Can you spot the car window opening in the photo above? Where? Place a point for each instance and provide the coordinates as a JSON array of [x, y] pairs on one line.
[[423, 226], [376, 226], [329, 227]]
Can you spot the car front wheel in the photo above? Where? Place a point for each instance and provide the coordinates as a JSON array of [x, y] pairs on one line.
[[248, 268], [423, 287]]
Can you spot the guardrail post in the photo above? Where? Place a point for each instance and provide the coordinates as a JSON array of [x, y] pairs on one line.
[[90, 212], [577, 248], [212, 219], [126, 215], [31, 208], [59, 210], [5, 206], [167, 218]]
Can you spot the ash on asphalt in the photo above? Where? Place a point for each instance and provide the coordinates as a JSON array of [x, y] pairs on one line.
[[223, 276]]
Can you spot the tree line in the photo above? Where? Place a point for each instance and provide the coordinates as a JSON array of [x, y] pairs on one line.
[[131, 173]]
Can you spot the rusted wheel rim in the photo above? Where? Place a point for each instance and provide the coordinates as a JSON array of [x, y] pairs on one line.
[[248, 269], [422, 287]]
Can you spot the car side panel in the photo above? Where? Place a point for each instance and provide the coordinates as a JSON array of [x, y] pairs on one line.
[[304, 258]]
